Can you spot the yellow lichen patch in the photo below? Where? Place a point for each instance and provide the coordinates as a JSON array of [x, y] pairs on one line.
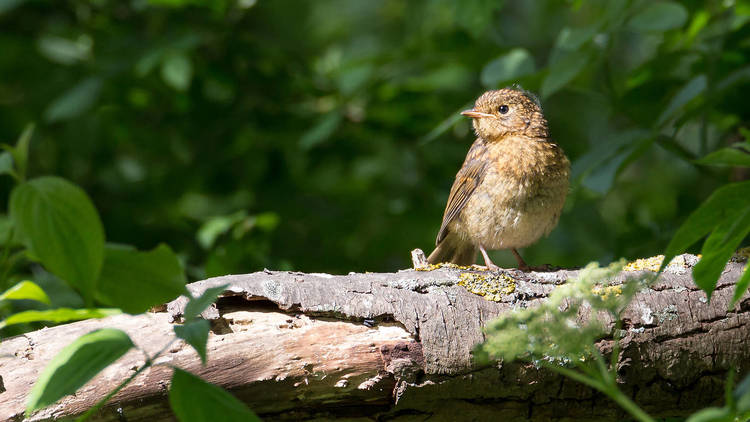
[[645, 264], [430, 267], [492, 286], [606, 291]]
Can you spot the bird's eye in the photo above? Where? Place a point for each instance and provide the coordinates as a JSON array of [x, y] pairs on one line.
[[503, 109]]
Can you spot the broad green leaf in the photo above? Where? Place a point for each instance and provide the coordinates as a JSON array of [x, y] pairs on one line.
[[712, 414], [563, 71], [571, 39], [217, 226], [58, 315], [718, 248], [195, 333], [726, 157], [741, 394], [177, 71], [26, 290], [689, 91], [62, 229], [75, 101], [323, 130], [511, 65], [63, 50], [135, 281], [76, 364], [659, 16], [739, 290], [198, 304], [195, 400], [6, 164], [725, 203], [21, 151]]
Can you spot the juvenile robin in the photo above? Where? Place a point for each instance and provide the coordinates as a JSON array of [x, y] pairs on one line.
[[512, 186]]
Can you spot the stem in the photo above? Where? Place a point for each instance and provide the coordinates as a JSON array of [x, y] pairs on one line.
[[149, 363], [624, 401]]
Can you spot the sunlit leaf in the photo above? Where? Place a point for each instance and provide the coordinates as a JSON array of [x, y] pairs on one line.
[[76, 364], [712, 414], [58, 315], [177, 71], [739, 290], [198, 304], [726, 157], [724, 204], [195, 400], [62, 229], [195, 333], [659, 16], [135, 281], [513, 64], [25, 290], [75, 101]]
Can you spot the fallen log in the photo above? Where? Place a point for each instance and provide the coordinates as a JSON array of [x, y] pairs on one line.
[[398, 346]]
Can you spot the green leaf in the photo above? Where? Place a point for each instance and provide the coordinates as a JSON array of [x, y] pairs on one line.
[[198, 304], [726, 157], [718, 248], [195, 400], [323, 130], [25, 290], [741, 287], [21, 151], [563, 71], [195, 333], [742, 392], [58, 315], [177, 71], [217, 226], [135, 281], [62, 229], [76, 364], [8, 5], [75, 101], [659, 16], [6, 164], [513, 64], [712, 414], [689, 91], [724, 204]]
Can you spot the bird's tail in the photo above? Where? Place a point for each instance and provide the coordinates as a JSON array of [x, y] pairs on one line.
[[452, 249]]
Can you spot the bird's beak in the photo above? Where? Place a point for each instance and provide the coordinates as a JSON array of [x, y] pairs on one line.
[[475, 114]]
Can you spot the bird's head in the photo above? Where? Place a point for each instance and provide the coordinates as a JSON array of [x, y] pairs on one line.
[[508, 112]]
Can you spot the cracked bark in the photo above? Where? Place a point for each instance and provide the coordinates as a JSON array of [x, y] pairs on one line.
[[397, 346]]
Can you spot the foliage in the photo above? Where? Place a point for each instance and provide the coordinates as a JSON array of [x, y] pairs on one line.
[[324, 136]]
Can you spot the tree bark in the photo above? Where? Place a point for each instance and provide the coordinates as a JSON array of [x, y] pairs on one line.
[[398, 346]]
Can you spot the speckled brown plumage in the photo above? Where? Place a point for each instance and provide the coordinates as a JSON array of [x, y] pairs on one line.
[[512, 186]]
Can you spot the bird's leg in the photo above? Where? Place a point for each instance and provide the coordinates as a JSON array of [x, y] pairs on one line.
[[521, 263], [487, 261]]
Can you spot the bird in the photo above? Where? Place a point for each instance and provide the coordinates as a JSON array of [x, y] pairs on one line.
[[512, 185]]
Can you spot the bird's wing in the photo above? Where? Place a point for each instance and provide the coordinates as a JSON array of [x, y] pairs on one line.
[[467, 180]]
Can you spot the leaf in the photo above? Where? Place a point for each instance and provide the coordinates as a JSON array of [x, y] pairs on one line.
[[25, 290], [515, 63], [6, 164], [177, 71], [75, 101], [76, 364], [217, 226], [195, 333], [712, 414], [659, 16], [726, 157], [198, 304], [740, 288], [8, 5], [323, 130], [718, 249], [689, 91], [563, 71], [135, 281], [58, 315], [62, 229], [195, 400], [742, 392], [21, 151], [724, 204]]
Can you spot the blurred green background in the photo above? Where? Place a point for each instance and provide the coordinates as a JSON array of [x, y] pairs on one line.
[[324, 135]]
